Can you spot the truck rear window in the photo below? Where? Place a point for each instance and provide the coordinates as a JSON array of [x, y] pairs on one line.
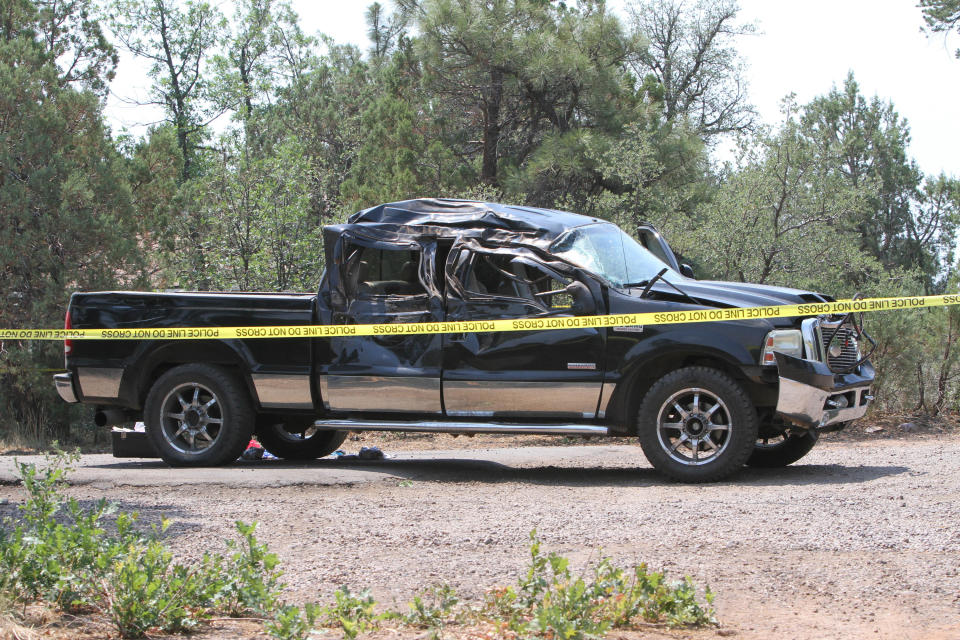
[[378, 272]]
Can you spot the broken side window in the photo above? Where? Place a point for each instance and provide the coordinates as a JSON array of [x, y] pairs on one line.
[[373, 272], [503, 275]]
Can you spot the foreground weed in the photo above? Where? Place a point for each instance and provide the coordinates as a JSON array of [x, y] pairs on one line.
[[61, 554], [142, 590], [352, 612], [292, 623], [51, 552], [433, 609], [640, 594], [254, 583], [549, 601]]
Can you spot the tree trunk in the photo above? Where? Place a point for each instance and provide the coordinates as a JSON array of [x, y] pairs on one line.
[[945, 364], [184, 144], [492, 98], [247, 84], [921, 399], [179, 99]]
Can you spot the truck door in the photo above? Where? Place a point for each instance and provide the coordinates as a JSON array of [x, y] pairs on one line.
[[373, 281], [544, 374]]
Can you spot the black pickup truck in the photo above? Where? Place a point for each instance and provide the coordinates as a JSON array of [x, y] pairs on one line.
[[703, 399]]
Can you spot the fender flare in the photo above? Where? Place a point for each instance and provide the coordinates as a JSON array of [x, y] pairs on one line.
[[153, 358], [649, 360]]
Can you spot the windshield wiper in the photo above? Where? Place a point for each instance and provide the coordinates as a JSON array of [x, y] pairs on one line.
[[648, 284]]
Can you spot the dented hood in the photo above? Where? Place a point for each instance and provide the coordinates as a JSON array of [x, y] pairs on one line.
[[712, 293]]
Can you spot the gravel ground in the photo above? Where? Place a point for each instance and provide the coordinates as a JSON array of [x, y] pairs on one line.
[[859, 540]]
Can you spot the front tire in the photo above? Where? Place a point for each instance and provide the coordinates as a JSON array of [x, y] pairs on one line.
[[198, 415], [299, 442], [697, 424], [784, 449]]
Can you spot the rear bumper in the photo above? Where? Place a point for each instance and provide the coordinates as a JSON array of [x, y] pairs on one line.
[[64, 384], [812, 396]]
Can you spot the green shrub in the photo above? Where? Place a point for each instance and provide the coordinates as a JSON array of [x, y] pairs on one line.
[[433, 609], [60, 553], [50, 554], [352, 612], [290, 623], [549, 601], [254, 575]]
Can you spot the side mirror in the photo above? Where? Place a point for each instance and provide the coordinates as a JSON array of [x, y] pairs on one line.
[[687, 271], [583, 301]]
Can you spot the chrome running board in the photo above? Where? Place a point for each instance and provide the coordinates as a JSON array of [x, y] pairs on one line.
[[452, 426]]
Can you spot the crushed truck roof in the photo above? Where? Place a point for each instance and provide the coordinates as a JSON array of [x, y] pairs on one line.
[[457, 216]]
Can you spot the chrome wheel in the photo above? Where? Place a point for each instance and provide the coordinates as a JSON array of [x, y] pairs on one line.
[[693, 426], [191, 418], [697, 424]]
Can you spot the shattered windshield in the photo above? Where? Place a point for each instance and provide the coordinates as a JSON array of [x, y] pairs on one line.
[[604, 249]]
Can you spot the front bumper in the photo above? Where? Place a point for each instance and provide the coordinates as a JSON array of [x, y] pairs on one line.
[[812, 396], [64, 383]]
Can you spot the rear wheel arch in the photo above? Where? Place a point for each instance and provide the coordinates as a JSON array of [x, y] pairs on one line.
[[171, 355]]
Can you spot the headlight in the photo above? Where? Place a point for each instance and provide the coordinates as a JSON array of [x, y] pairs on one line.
[[786, 341]]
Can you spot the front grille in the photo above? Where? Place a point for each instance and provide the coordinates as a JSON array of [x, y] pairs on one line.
[[844, 346]]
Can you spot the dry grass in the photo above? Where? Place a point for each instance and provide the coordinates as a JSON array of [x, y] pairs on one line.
[[39, 620], [12, 629], [887, 424]]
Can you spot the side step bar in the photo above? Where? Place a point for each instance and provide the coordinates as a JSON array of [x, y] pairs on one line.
[[452, 426]]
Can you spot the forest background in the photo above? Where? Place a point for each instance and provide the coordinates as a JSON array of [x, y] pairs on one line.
[[553, 104]]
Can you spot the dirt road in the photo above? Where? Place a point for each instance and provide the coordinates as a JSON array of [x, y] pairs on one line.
[[862, 540]]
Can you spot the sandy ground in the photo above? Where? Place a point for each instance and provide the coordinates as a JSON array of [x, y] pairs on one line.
[[861, 539]]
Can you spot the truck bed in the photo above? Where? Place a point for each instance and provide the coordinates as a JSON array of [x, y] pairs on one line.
[[105, 363]]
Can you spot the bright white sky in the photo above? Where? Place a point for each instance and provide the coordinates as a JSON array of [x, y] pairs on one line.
[[801, 47]]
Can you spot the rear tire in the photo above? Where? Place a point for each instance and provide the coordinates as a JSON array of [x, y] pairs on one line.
[[284, 442], [198, 415], [786, 449], [697, 424]]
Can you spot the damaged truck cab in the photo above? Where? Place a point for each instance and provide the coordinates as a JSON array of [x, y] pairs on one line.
[[703, 398]]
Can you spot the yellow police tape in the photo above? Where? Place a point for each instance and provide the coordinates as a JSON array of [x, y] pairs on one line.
[[863, 305]]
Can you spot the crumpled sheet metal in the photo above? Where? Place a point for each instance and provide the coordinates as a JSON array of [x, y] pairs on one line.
[[487, 220]]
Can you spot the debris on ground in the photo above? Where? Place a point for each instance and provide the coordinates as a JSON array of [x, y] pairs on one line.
[[366, 453], [873, 429], [371, 453], [254, 450]]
